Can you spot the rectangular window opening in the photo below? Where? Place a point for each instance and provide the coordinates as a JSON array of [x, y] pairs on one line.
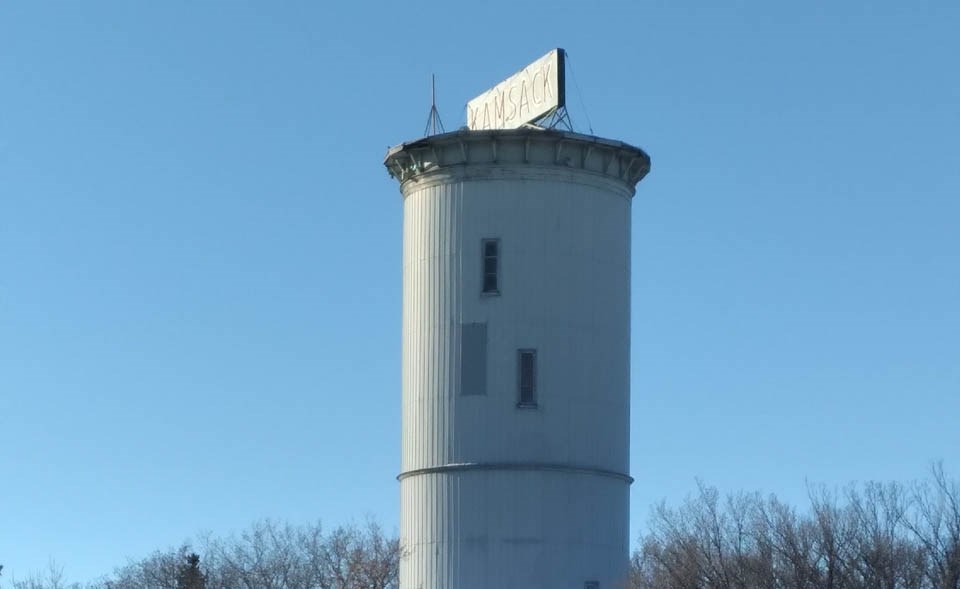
[[473, 359], [491, 266], [591, 585], [528, 378]]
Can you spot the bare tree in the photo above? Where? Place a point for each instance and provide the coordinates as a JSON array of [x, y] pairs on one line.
[[935, 523], [872, 536], [266, 555], [52, 578], [160, 570], [273, 556]]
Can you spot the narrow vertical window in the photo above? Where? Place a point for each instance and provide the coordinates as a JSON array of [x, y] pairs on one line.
[[528, 378], [473, 359], [491, 266]]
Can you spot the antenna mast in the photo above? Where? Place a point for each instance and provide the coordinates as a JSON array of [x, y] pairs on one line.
[[433, 119]]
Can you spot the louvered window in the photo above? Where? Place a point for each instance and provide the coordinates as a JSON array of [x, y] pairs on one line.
[[527, 360], [491, 266]]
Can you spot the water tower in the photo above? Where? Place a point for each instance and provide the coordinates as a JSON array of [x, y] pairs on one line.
[[516, 347]]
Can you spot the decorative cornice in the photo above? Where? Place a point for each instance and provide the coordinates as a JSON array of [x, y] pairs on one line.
[[481, 154]]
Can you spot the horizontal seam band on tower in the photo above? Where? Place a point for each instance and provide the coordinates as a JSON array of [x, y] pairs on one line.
[[454, 174], [468, 466]]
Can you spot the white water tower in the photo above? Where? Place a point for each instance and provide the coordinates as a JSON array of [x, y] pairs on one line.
[[516, 348]]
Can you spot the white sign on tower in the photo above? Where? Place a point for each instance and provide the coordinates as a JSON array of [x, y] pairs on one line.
[[526, 96]]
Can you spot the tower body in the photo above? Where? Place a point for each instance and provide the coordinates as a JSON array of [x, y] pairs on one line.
[[516, 368]]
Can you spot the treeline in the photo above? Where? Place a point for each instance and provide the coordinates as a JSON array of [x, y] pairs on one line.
[[267, 555], [871, 536], [874, 536]]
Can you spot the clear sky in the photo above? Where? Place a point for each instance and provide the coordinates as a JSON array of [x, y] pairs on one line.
[[200, 248]]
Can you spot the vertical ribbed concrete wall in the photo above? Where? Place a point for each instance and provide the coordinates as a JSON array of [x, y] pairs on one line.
[[496, 495]]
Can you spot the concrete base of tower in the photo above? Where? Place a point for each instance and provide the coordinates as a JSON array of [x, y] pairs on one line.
[[514, 529]]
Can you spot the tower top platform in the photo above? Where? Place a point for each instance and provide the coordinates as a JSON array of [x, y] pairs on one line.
[[478, 154]]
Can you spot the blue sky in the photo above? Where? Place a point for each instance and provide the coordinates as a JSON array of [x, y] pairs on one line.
[[200, 249]]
